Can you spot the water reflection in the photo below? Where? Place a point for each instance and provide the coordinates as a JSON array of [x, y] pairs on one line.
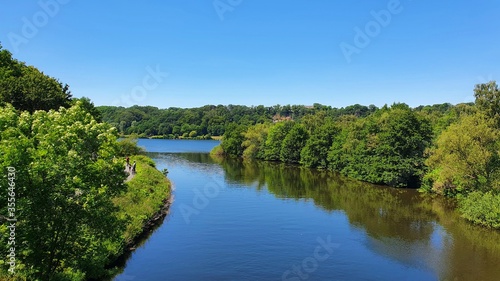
[[406, 226]]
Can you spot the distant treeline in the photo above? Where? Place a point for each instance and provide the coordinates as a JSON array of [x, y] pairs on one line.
[[211, 120]]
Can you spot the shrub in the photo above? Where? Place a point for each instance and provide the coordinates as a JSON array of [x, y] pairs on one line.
[[481, 208]]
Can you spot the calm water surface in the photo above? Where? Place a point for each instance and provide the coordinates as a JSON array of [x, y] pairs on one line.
[[235, 220]]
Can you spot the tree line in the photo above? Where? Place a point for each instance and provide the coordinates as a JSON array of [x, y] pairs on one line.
[[453, 150], [209, 120]]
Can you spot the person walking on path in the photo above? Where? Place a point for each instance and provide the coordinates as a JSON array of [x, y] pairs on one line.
[[128, 163]]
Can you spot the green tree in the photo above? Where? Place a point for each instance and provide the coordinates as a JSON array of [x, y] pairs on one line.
[[315, 151], [488, 100], [128, 146], [465, 157], [273, 144], [233, 139], [293, 143], [66, 178], [26, 88], [255, 137], [387, 147], [88, 105]]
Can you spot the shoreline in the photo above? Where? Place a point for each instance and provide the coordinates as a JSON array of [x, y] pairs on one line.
[[151, 224]]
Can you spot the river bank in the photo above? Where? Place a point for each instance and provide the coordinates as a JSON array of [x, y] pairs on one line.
[[145, 204], [275, 214]]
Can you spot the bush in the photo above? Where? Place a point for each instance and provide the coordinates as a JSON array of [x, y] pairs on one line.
[[481, 208], [217, 151], [128, 146]]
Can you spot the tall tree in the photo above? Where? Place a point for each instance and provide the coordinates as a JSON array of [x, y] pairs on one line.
[[255, 138], [488, 100], [273, 144], [233, 139], [26, 88], [465, 157], [66, 178], [293, 143]]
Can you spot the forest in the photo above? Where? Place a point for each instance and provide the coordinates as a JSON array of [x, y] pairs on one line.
[[210, 120], [451, 150], [66, 212]]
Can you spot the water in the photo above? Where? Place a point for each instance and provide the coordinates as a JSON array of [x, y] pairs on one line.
[[237, 220]]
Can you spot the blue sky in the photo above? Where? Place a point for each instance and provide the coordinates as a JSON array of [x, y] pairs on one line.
[[259, 52]]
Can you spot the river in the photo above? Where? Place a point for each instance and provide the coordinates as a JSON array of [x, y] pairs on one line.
[[253, 220]]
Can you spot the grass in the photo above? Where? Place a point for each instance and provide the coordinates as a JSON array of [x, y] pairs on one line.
[[145, 196]]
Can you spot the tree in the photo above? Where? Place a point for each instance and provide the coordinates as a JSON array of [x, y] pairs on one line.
[[387, 147], [488, 100], [66, 178], [255, 138], [293, 143], [315, 151], [232, 140], [26, 88], [465, 157], [88, 105], [128, 146], [273, 144]]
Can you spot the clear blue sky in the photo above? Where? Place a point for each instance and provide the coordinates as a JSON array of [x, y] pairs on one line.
[[255, 52]]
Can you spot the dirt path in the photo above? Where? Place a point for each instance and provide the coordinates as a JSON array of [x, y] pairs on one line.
[[128, 170]]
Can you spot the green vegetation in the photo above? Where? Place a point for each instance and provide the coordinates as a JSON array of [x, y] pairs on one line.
[[210, 120], [128, 146], [482, 208], [26, 88], [66, 184], [65, 177], [446, 149], [75, 214], [145, 195], [386, 146]]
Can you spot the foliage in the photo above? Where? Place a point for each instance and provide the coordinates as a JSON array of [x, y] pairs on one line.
[[482, 208], [128, 146], [65, 179], [488, 100], [26, 88], [144, 196], [88, 106], [386, 147], [315, 152], [275, 137], [217, 151], [293, 143], [255, 137], [232, 140], [212, 120], [465, 157]]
